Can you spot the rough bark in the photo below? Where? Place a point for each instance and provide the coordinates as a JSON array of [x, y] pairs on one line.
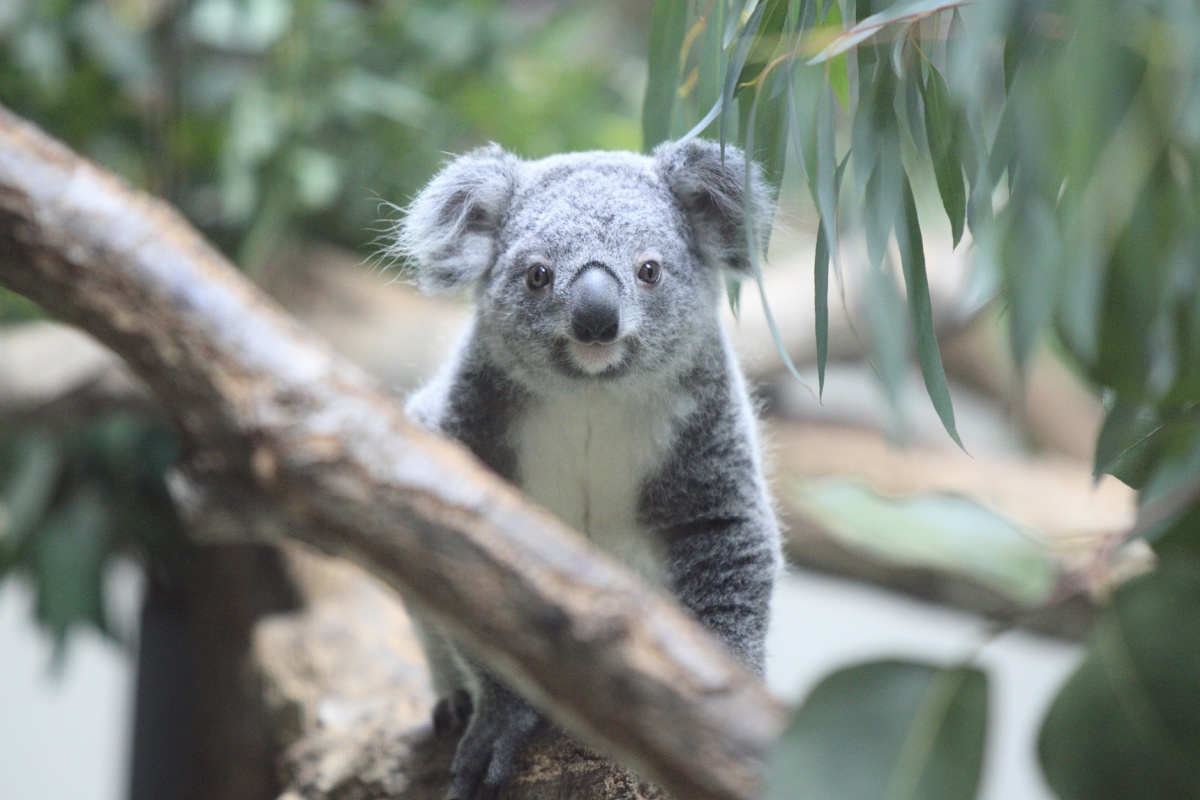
[[287, 440]]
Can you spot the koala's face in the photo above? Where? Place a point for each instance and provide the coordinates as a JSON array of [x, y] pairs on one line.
[[594, 279], [590, 267]]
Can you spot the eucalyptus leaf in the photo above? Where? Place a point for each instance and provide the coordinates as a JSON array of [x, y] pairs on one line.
[[733, 19], [1029, 249], [753, 246], [943, 532], [828, 173], [668, 25], [837, 67], [737, 61], [821, 300], [892, 730], [766, 40], [875, 127], [1127, 723], [67, 559], [920, 310], [711, 66], [900, 13], [889, 351], [943, 150], [29, 482], [772, 127], [1126, 428], [910, 106]]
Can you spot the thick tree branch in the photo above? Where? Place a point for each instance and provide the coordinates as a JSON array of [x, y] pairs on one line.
[[269, 410]]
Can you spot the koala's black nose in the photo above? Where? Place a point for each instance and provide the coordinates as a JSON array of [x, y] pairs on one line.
[[595, 306]]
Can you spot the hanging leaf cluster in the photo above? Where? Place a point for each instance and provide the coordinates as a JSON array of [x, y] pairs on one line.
[[1061, 139], [72, 500]]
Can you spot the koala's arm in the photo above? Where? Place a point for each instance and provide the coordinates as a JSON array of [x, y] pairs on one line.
[[722, 541], [722, 570]]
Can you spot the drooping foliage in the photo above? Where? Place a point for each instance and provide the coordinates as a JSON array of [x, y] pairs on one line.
[[1061, 140]]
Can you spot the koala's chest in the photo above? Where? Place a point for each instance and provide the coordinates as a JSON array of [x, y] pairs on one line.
[[587, 459]]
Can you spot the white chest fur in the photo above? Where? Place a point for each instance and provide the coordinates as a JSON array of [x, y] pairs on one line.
[[585, 458]]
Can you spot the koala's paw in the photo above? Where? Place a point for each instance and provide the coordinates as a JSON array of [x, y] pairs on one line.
[[486, 756], [451, 714]]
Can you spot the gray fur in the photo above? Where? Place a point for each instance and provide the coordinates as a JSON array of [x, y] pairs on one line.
[[647, 445]]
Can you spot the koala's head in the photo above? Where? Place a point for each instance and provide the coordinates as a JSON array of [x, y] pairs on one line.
[[588, 267]]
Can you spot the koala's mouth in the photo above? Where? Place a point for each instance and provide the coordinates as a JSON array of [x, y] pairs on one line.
[[594, 360]]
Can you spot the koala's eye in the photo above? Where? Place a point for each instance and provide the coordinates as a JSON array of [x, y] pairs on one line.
[[649, 272], [538, 277]]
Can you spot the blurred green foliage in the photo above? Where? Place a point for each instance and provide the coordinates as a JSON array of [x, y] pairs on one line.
[[261, 120], [894, 730], [70, 499], [1125, 725], [1064, 136]]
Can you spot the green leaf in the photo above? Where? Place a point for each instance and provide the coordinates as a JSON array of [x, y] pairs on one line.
[[668, 25], [910, 106], [67, 557], [768, 37], [874, 126], [827, 171], [772, 125], [712, 60], [889, 348], [979, 201], [753, 247], [894, 730], [733, 293], [839, 80], [1127, 723], [1030, 251], [943, 532], [821, 298], [899, 45], [837, 67], [1126, 427], [737, 60], [29, 484], [920, 311], [733, 19], [881, 201], [900, 13], [943, 149]]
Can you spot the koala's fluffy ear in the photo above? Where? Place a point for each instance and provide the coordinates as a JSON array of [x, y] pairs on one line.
[[449, 231], [712, 193]]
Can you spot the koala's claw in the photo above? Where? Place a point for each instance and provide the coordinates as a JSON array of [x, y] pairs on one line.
[[451, 714], [486, 757]]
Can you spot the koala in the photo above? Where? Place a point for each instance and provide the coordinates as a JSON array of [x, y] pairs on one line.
[[596, 376]]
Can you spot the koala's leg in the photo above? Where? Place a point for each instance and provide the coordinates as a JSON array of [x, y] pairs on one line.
[[723, 571], [501, 724], [451, 679]]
